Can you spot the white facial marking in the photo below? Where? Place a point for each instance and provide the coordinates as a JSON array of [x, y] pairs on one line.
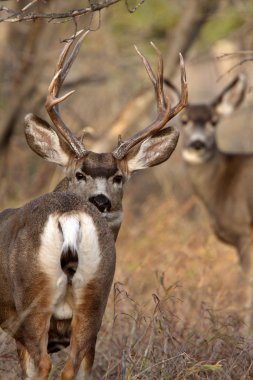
[[101, 186], [198, 135]]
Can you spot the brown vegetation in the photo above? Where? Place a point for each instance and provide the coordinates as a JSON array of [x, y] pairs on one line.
[[178, 306]]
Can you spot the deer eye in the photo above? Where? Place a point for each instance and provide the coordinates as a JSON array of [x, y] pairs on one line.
[[118, 179], [80, 176], [214, 121], [184, 120]]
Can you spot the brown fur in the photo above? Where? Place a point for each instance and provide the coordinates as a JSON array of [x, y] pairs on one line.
[[222, 181], [26, 303], [29, 291], [26, 289], [98, 166]]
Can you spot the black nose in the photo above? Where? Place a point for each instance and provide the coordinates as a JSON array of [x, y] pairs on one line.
[[197, 144], [101, 202]]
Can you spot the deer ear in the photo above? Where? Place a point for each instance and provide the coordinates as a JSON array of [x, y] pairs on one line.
[[44, 141], [231, 97], [152, 151]]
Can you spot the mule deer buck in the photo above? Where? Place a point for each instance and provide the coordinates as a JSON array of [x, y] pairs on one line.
[[222, 181], [57, 254]]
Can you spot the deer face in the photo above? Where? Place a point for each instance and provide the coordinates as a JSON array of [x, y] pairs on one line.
[[99, 178], [199, 122]]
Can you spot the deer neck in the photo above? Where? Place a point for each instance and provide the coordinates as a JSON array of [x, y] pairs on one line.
[[207, 178]]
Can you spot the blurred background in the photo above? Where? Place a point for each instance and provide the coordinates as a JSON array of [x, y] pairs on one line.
[[167, 254]]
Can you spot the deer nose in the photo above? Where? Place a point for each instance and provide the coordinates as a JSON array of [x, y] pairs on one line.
[[101, 202], [197, 144]]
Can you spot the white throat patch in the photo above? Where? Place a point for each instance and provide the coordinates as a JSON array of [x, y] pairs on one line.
[[193, 157]]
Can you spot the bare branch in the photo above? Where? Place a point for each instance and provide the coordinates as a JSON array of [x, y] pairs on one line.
[[235, 54], [22, 15], [247, 57], [29, 5], [132, 10], [238, 64]]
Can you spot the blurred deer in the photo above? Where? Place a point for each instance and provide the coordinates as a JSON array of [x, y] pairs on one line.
[[57, 254], [222, 181]]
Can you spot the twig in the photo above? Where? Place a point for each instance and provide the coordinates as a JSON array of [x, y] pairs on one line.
[[28, 5], [234, 67], [132, 10], [21, 16], [235, 54]]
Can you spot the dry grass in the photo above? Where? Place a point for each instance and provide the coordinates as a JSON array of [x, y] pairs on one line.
[[180, 313], [151, 344]]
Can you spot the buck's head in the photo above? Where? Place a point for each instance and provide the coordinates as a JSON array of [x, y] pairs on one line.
[[199, 121], [100, 177]]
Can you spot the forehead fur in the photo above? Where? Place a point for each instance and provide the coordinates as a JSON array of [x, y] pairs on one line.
[[199, 114], [99, 165]]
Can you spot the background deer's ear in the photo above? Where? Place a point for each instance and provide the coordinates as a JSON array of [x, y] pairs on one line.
[[152, 151], [231, 97], [44, 141]]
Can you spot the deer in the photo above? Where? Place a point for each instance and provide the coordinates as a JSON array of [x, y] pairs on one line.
[[57, 252], [222, 181]]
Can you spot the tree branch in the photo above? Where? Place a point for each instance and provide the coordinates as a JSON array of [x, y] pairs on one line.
[[15, 16], [23, 15], [132, 10]]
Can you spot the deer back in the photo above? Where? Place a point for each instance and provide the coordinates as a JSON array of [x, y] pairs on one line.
[[32, 241]]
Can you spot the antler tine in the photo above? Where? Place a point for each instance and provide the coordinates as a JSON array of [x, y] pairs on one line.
[[147, 66], [157, 82], [73, 55], [183, 101], [62, 68], [165, 113], [162, 101]]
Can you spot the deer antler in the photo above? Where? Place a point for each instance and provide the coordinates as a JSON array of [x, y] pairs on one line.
[[165, 112], [62, 68]]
